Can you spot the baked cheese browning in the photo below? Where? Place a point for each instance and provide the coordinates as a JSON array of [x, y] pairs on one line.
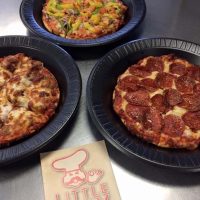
[[5, 75], [5, 107], [43, 101], [157, 99], [11, 62], [83, 19], [43, 93], [19, 123], [28, 97]]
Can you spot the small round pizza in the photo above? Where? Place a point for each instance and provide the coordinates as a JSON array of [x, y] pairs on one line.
[[158, 100], [83, 19], [29, 95]]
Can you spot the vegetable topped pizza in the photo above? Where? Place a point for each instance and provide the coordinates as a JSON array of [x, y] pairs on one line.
[[29, 96], [158, 100], [83, 19]]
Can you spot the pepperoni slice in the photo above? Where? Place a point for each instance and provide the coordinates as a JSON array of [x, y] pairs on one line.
[[117, 103], [155, 64], [194, 72], [185, 84], [138, 98], [136, 112], [138, 70], [158, 101], [173, 97], [173, 125], [153, 120], [177, 68], [128, 83], [197, 88], [192, 119], [164, 80], [191, 102], [148, 84]]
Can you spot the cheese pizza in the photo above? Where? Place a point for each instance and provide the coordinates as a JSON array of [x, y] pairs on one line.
[[158, 100], [29, 96], [83, 19]]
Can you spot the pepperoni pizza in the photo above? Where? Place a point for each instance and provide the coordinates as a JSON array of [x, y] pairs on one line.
[[29, 95], [158, 99]]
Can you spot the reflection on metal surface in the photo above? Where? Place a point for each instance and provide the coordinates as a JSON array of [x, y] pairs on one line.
[[13, 28]]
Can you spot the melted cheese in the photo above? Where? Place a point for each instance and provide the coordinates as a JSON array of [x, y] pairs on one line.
[[159, 91], [123, 93], [187, 132], [173, 85], [124, 104], [144, 61], [23, 101], [4, 76], [16, 113], [153, 75], [198, 132], [178, 111], [166, 67], [4, 110], [26, 82]]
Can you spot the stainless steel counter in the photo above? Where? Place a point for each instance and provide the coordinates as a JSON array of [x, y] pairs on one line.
[[136, 179]]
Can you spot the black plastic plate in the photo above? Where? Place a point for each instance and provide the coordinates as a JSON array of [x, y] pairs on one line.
[[67, 74], [31, 11], [100, 86]]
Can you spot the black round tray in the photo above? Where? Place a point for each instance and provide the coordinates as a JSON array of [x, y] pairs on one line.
[[100, 86], [67, 74], [31, 11]]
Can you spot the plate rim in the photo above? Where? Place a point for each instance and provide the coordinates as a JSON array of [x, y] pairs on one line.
[[140, 46], [26, 15], [20, 149]]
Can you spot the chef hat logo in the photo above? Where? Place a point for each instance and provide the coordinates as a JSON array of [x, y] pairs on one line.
[[72, 162], [71, 165]]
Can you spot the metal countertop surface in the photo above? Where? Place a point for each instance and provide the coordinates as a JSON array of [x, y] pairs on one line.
[[136, 178]]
